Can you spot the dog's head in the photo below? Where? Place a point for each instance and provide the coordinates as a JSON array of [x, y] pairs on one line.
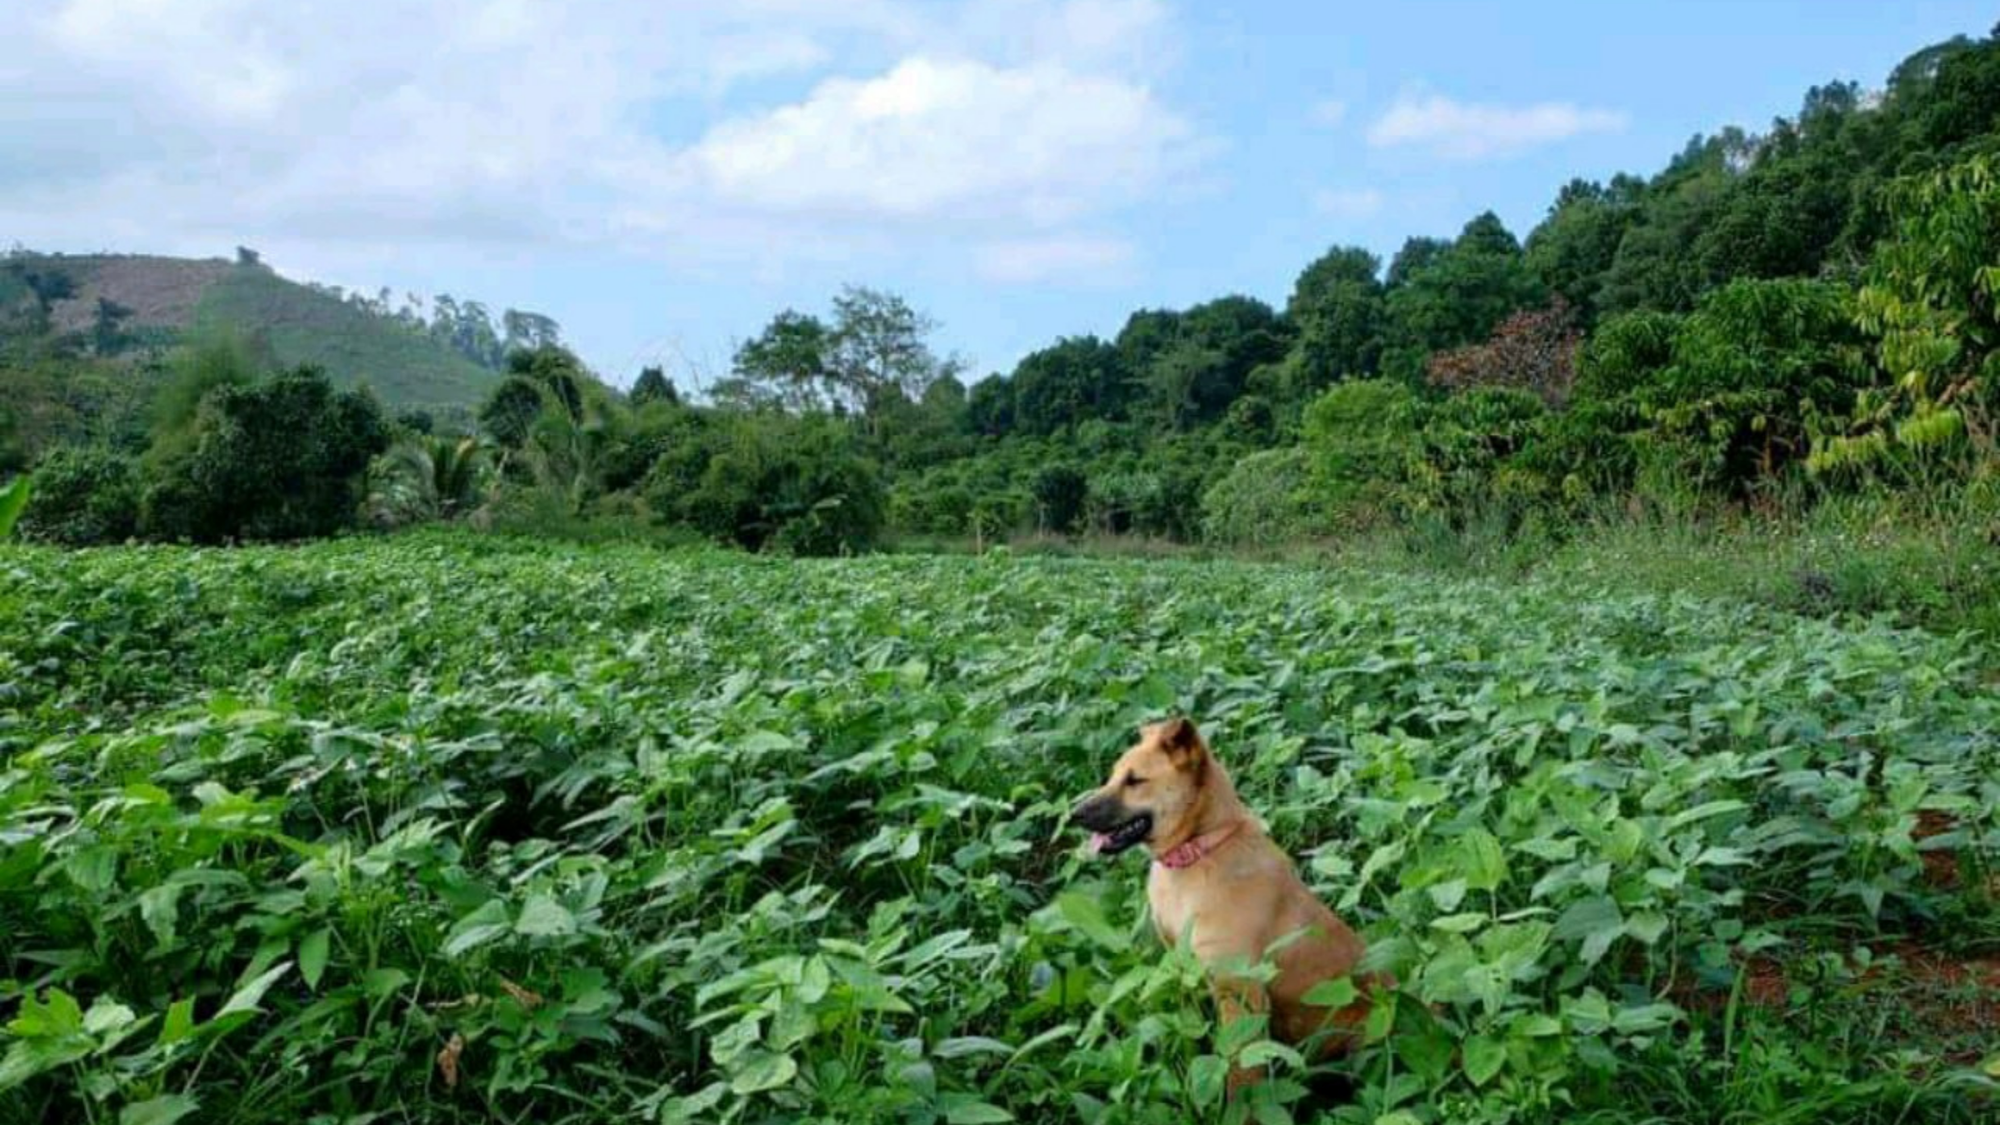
[[1152, 792]]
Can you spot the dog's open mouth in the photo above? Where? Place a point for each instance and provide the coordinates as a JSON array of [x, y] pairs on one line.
[[1126, 835]]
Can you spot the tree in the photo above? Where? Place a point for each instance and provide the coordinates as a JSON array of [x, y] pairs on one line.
[[1654, 267], [281, 459], [510, 412], [1459, 294], [1073, 379], [1337, 306], [210, 362], [874, 358], [1416, 253], [557, 370], [1147, 335], [107, 335], [989, 408], [788, 363], [424, 478], [1060, 493], [528, 331], [1573, 248], [652, 386], [1357, 437], [1244, 334], [83, 496], [879, 349], [1177, 379], [1758, 367], [1931, 298], [796, 483]]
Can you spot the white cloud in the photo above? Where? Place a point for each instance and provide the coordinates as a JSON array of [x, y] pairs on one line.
[[946, 139], [1473, 131], [1331, 112], [488, 125], [1356, 203], [1069, 259]]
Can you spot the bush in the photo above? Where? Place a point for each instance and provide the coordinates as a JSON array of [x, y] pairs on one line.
[[1358, 438], [83, 496], [769, 480], [1060, 493], [1264, 500], [1757, 368], [283, 459]]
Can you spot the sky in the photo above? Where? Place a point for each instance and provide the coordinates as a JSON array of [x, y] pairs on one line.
[[662, 176]]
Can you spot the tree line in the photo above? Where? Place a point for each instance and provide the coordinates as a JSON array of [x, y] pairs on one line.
[[1770, 317]]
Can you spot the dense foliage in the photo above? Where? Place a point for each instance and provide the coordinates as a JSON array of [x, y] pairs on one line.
[[438, 828]]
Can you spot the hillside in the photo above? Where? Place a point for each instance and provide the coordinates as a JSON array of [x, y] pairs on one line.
[[300, 324]]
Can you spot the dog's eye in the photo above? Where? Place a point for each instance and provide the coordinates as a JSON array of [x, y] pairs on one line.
[[1132, 779]]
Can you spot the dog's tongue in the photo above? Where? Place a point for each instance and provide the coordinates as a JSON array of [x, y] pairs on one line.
[[1098, 842]]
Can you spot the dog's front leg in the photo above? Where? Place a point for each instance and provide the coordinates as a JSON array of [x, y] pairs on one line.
[[1237, 998]]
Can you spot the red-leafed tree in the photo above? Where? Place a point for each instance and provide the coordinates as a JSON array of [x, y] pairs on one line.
[[1533, 350]]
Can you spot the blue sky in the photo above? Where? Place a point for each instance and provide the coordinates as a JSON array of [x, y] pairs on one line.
[[663, 177]]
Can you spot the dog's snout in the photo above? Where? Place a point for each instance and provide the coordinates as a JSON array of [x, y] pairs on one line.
[[1095, 812]]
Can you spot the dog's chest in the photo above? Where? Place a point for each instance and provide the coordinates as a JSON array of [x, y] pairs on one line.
[[1199, 896]]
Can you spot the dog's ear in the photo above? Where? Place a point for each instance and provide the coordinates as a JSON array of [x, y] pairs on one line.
[[1181, 741]]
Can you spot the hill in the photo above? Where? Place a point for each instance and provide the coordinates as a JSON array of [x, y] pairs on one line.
[[161, 298]]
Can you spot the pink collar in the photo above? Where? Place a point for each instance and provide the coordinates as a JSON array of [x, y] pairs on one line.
[[1193, 850]]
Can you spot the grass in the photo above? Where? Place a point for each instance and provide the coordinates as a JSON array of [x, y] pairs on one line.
[[451, 827], [407, 370]]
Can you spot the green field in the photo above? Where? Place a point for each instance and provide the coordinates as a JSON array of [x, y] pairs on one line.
[[450, 828]]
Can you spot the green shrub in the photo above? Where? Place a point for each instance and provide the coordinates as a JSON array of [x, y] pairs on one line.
[[1061, 493], [83, 496], [1358, 440], [283, 459], [1266, 499], [797, 484]]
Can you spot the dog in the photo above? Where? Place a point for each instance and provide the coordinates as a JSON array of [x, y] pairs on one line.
[[1218, 878]]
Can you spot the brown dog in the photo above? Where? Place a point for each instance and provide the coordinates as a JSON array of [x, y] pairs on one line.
[[1218, 877]]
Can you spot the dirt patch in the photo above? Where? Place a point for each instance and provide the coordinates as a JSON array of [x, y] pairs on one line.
[[1950, 1003], [161, 292]]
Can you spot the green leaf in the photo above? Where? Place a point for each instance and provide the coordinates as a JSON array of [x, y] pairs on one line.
[[1208, 1079], [968, 1046], [106, 1016], [1482, 859], [1484, 1056], [1447, 895], [1597, 921], [694, 1107], [159, 908], [313, 954], [1459, 923], [249, 997], [179, 1023], [970, 1111], [56, 1016], [1086, 914], [1336, 993], [477, 928], [543, 916], [814, 979], [163, 1110], [13, 501], [1266, 1051], [763, 1071]]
